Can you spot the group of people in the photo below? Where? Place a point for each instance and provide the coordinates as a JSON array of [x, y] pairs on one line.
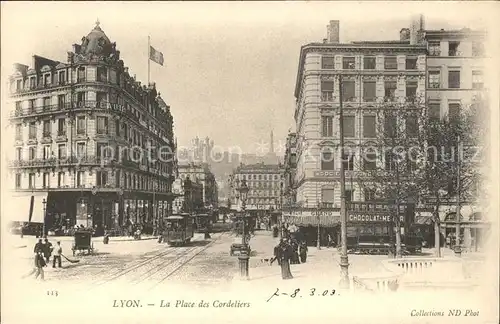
[[43, 251], [289, 251]]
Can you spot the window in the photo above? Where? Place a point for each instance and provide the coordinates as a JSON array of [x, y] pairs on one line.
[[32, 130], [369, 126], [47, 132], [348, 161], [19, 153], [349, 195], [19, 84], [46, 79], [81, 74], [61, 151], [117, 178], [61, 179], [434, 48], [327, 62], [103, 150], [18, 180], [326, 126], [411, 90], [369, 93], [32, 83], [411, 126], [101, 99], [327, 197], [61, 101], [369, 194], [326, 90], [79, 178], [80, 99], [102, 74], [348, 63], [327, 162], [454, 79], [61, 127], [348, 90], [117, 127], [390, 161], [453, 49], [477, 80], [390, 63], [46, 180], [390, 125], [80, 149], [46, 103], [412, 161], [434, 110], [31, 183], [31, 105], [453, 112], [369, 63], [477, 49], [19, 132], [62, 77], [47, 152], [434, 79], [80, 125], [19, 106], [32, 152], [390, 90], [102, 125], [349, 130], [411, 63]]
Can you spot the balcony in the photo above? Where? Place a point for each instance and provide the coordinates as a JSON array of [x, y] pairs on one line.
[[434, 85], [326, 95], [434, 51], [63, 161]]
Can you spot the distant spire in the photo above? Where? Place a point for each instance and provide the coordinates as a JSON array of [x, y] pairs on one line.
[[97, 23], [272, 142]]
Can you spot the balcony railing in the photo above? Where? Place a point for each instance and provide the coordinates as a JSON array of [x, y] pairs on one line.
[[66, 160], [434, 85]]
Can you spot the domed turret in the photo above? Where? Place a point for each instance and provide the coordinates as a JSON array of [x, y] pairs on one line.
[[96, 42]]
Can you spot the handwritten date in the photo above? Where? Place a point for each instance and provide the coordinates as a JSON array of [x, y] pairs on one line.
[[297, 293]]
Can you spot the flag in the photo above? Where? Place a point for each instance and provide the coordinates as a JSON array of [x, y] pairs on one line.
[[155, 56]]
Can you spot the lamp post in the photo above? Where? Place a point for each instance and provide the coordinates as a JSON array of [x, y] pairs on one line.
[[243, 258], [458, 249], [44, 202], [344, 261]]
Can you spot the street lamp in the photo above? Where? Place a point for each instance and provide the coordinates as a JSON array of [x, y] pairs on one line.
[[243, 258], [44, 202]]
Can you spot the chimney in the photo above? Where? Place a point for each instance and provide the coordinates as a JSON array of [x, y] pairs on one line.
[[404, 34], [333, 32], [416, 27]]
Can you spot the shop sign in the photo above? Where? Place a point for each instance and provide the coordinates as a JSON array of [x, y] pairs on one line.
[[371, 218]]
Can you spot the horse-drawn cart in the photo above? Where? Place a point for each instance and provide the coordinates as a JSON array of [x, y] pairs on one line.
[[83, 241]]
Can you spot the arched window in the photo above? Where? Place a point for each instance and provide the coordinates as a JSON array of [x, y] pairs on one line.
[[327, 159]]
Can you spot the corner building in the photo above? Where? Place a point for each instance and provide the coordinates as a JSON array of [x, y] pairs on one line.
[[87, 140], [372, 74]]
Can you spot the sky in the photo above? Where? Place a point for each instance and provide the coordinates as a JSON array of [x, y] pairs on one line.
[[230, 68]]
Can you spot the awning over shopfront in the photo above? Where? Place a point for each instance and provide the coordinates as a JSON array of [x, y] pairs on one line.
[[324, 220], [24, 208]]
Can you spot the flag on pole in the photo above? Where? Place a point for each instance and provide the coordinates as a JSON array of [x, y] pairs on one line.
[[155, 56]]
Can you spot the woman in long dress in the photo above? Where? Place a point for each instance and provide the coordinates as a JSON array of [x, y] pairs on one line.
[[285, 253]]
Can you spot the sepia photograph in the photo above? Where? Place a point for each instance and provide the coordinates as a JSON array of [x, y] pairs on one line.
[[230, 162]]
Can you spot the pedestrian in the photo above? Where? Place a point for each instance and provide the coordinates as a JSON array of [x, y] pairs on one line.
[[39, 264], [38, 246], [295, 252], [330, 241], [47, 250], [284, 254], [303, 252], [277, 253], [207, 234], [57, 255]]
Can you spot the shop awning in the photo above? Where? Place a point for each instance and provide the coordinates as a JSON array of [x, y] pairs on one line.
[[21, 207], [324, 220]]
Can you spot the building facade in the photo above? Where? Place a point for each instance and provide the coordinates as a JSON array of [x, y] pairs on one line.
[[265, 187], [200, 173], [454, 69], [372, 74], [289, 170], [85, 133]]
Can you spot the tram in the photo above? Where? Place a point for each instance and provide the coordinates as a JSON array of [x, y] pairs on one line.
[[202, 223], [179, 229]]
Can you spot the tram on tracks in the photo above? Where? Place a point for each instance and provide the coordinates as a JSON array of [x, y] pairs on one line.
[[202, 223], [179, 229]]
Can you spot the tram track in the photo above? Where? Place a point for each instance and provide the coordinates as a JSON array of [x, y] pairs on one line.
[[186, 255]]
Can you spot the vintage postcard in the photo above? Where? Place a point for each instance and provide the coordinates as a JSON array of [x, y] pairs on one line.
[[237, 162]]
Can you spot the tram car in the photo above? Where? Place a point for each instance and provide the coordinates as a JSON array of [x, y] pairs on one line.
[[379, 240], [179, 229], [202, 223]]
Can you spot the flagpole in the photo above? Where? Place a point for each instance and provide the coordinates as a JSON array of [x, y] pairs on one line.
[[149, 56]]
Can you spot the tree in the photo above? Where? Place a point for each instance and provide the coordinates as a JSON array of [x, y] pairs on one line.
[[391, 160], [444, 154]]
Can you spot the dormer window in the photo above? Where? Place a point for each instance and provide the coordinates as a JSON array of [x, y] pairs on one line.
[[46, 79], [102, 74], [32, 82], [62, 77], [19, 84]]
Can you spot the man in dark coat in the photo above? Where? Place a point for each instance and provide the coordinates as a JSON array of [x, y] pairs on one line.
[[303, 252], [38, 246], [47, 250], [284, 254]]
